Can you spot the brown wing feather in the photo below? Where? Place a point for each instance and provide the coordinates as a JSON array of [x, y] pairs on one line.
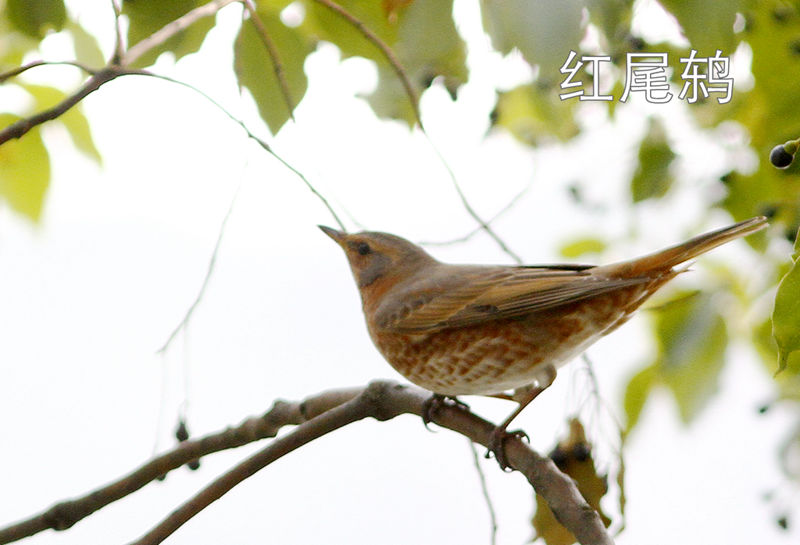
[[505, 292]]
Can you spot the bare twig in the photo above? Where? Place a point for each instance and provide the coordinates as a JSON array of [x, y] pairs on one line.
[[211, 263], [101, 77], [471, 211], [65, 514], [5, 76], [384, 400], [414, 99], [119, 45], [264, 145], [170, 29], [485, 491], [315, 417], [272, 51], [385, 50], [491, 220]]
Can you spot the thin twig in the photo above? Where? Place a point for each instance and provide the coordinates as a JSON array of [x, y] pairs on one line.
[[209, 271], [365, 405], [414, 99], [170, 29], [119, 45], [65, 514], [272, 51], [472, 233], [316, 416], [385, 50], [101, 77], [264, 145], [5, 76], [471, 211], [485, 491]]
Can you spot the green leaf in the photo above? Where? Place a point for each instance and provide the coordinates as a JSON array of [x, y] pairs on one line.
[[613, 18], [637, 392], [786, 314], [577, 248], [36, 17], [149, 16], [428, 46], [544, 31], [770, 113], [708, 24], [331, 27], [788, 382], [73, 119], [692, 339], [652, 178], [255, 70], [24, 171], [535, 115]]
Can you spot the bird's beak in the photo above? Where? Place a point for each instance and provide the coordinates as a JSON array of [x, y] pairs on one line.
[[338, 236]]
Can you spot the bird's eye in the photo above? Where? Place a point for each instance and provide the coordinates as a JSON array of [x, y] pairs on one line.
[[363, 248]]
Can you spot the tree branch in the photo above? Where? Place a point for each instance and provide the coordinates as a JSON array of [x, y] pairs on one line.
[[99, 78], [316, 416], [385, 50], [65, 514], [170, 29]]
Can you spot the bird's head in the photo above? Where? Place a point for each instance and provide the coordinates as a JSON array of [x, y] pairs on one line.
[[375, 256]]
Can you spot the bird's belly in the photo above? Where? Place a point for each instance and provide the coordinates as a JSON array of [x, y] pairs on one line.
[[496, 357]]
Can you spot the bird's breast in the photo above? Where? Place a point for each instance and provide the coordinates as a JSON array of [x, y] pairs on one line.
[[498, 356]]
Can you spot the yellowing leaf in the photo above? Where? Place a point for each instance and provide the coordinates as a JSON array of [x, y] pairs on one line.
[[652, 178], [786, 314], [255, 69], [73, 119], [573, 456], [24, 171], [87, 49], [35, 17], [582, 246]]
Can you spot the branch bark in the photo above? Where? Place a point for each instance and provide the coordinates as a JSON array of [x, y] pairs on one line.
[[316, 416]]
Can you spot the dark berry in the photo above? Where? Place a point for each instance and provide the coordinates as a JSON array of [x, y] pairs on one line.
[[779, 157]]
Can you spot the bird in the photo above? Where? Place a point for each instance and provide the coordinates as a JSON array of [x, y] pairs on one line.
[[500, 330]]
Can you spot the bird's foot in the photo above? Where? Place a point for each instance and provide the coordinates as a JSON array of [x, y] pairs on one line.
[[497, 444], [436, 402]]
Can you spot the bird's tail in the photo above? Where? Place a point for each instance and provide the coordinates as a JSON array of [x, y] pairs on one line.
[[675, 255]]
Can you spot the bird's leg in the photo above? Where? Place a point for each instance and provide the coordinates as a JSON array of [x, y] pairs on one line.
[[500, 433], [435, 402]]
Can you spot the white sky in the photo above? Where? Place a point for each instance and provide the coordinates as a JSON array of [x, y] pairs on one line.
[[91, 293]]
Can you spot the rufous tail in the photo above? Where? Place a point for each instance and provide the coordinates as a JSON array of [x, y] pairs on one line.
[[670, 257]]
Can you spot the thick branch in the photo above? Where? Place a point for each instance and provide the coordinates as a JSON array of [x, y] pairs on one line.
[[384, 400], [315, 417]]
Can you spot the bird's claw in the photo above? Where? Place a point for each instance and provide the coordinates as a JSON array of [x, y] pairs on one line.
[[497, 444], [436, 402]]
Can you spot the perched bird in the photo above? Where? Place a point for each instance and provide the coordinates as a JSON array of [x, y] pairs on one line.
[[487, 330]]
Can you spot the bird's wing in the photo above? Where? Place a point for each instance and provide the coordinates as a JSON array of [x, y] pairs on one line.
[[489, 294]]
